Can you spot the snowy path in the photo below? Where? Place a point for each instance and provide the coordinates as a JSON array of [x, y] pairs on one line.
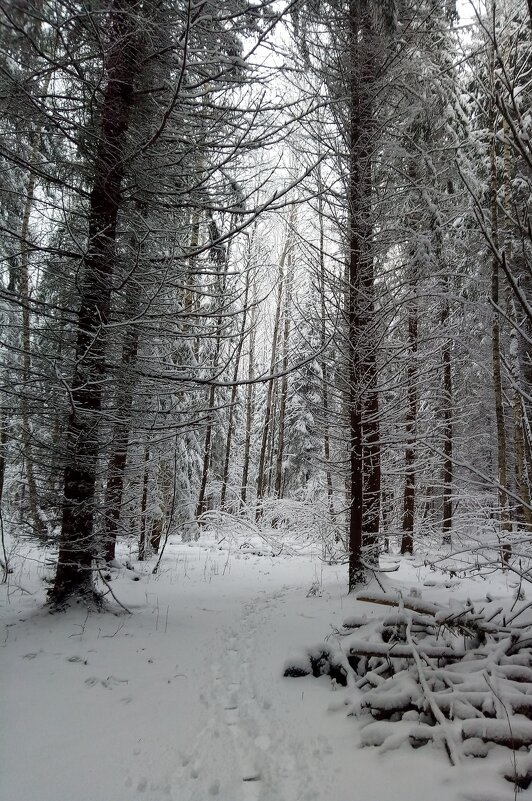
[[252, 748], [185, 699]]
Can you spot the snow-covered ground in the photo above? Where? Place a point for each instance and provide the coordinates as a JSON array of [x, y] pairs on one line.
[[185, 700]]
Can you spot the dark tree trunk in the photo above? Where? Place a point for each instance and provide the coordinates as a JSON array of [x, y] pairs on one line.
[[201, 506], [502, 468], [207, 451], [74, 569], [144, 507], [323, 339], [283, 394], [372, 461], [266, 432], [24, 290], [156, 534], [407, 541], [118, 460], [364, 480], [234, 389], [447, 436], [249, 410]]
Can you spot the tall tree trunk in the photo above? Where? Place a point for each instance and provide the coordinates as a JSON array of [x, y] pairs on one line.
[[24, 291], [201, 507], [521, 478], [123, 405], [74, 569], [3, 448], [249, 407], [364, 479], [407, 540], [283, 394], [266, 431], [190, 295], [372, 459], [272, 438], [144, 506], [519, 413], [234, 388], [323, 341], [447, 515], [502, 472]]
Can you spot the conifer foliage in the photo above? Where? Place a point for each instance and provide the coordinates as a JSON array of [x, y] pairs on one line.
[[269, 261]]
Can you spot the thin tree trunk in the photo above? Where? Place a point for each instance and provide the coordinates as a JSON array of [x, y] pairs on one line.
[[407, 541], [323, 340], [3, 448], [519, 424], [447, 521], [74, 569], [261, 477], [283, 394], [24, 291], [144, 506], [521, 478], [124, 400], [272, 435], [249, 408], [372, 460], [234, 389], [190, 293], [502, 473], [201, 507], [385, 519]]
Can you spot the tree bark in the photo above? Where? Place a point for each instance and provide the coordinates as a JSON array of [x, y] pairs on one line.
[[144, 506], [323, 340], [407, 540], [234, 389], [24, 292], [364, 479], [201, 507], [283, 394], [73, 580], [249, 409], [123, 405], [502, 472], [447, 513], [266, 431]]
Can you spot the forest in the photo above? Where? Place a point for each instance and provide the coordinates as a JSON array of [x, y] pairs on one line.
[[266, 399]]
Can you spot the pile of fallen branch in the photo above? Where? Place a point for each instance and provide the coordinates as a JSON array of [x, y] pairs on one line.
[[456, 677]]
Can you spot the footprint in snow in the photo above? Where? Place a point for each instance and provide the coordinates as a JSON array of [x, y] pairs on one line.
[[251, 776], [109, 683]]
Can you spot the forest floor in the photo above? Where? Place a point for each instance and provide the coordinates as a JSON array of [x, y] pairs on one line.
[[184, 699]]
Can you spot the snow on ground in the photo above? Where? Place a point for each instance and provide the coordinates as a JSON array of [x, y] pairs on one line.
[[184, 699]]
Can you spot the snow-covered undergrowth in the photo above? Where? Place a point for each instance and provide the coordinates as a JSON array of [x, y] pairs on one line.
[[184, 699]]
